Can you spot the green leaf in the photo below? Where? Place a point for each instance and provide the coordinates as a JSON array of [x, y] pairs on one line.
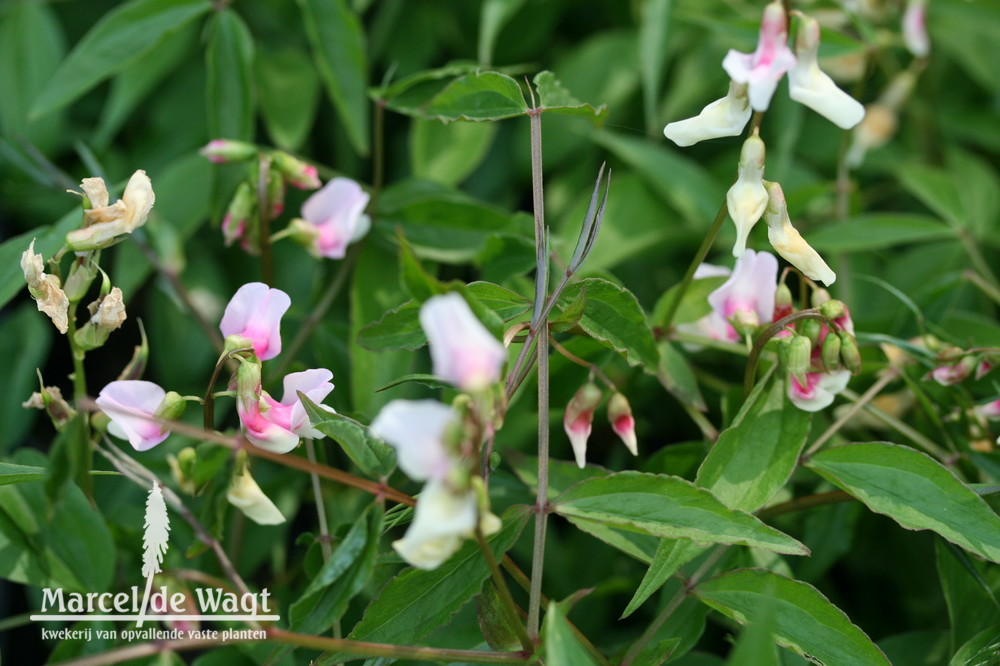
[[494, 621], [914, 490], [411, 94], [804, 620], [338, 42], [935, 188], [140, 78], [11, 473], [479, 96], [414, 279], [967, 585], [448, 154], [31, 47], [677, 376], [124, 34], [492, 18], [230, 78], [416, 602], [653, 30], [614, 317], [68, 461], [755, 646], [342, 576], [877, 231], [441, 223], [636, 545], [397, 329], [756, 455], [980, 650], [289, 92], [25, 340], [372, 456], [559, 644], [669, 507], [678, 180], [694, 304], [505, 303], [554, 98], [504, 256], [48, 240], [670, 556], [419, 378]]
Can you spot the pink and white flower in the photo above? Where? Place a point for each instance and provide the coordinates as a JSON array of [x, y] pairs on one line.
[[915, 28], [723, 117], [762, 69], [255, 312], [989, 410], [463, 351], [278, 426], [131, 405], [622, 421], [747, 296], [579, 419], [333, 218], [808, 84], [417, 430], [819, 390]]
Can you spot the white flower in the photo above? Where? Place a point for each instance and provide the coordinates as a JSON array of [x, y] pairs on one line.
[[442, 520], [747, 198], [915, 28], [246, 495], [819, 391], [102, 222], [810, 86], [45, 289], [723, 117], [416, 429], [789, 243], [463, 351]]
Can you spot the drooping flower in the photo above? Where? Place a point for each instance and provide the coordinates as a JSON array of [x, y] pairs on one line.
[[789, 242], [273, 425], [332, 218], [579, 418], [246, 495], [723, 117], [748, 295], [881, 119], [463, 351], [622, 421], [240, 221], [442, 520], [255, 312], [915, 28], [221, 151], [45, 289], [949, 375], [417, 430], [106, 314], [819, 389], [102, 223], [810, 86], [762, 69], [747, 198], [131, 406], [989, 410], [298, 173]]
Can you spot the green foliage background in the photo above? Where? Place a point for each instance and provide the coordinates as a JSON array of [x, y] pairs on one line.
[[103, 88]]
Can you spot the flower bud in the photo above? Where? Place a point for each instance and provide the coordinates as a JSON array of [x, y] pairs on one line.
[[820, 296], [949, 375], [221, 151], [849, 353], [831, 352], [45, 289], [172, 407], [106, 314], [799, 358], [747, 198], [579, 418], [787, 240], [140, 355], [246, 495], [784, 304], [51, 400], [182, 469], [811, 329], [276, 192], [832, 309], [622, 421], [240, 221], [983, 368], [81, 275], [295, 171]]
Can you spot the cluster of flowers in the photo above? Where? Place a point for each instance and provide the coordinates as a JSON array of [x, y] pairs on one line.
[[332, 218], [820, 360]]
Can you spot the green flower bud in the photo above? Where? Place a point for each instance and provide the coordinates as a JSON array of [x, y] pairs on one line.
[[810, 328], [172, 406], [849, 353], [832, 309], [831, 352], [819, 297], [81, 275], [799, 358]]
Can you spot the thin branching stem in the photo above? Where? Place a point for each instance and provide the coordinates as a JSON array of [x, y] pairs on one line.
[[503, 590]]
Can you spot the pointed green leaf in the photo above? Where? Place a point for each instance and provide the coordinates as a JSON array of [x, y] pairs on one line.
[[677, 376], [968, 594], [669, 507], [559, 644], [653, 29], [914, 490], [289, 95], [613, 316], [492, 18], [479, 96], [11, 473], [416, 602], [397, 329], [983, 649], [231, 95], [338, 43], [554, 98], [804, 620], [670, 556], [121, 36], [877, 231], [757, 454], [449, 153], [372, 456]]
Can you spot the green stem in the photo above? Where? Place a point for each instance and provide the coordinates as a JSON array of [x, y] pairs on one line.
[[902, 428], [978, 261], [513, 619], [209, 400], [987, 288], [805, 502], [699, 257], [686, 589], [85, 455], [770, 332], [865, 398], [539, 328]]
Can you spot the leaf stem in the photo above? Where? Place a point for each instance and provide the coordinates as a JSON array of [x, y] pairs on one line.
[[504, 591], [865, 398], [699, 257]]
